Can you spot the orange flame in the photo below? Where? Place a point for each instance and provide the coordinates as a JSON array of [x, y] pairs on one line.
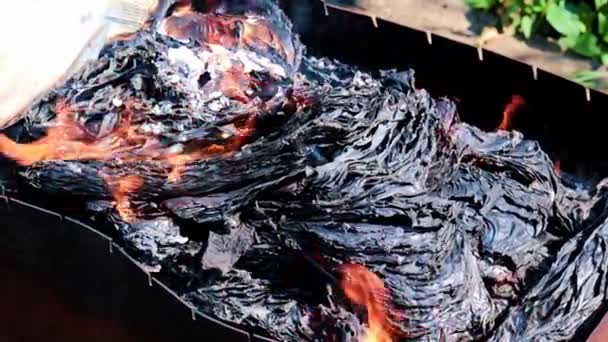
[[557, 167], [121, 190], [59, 143], [507, 115], [363, 287], [177, 162], [68, 140]]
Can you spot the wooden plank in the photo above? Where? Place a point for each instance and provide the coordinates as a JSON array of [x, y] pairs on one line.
[[453, 19]]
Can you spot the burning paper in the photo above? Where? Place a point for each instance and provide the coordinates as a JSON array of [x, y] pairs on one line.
[[223, 156], [363, 287]]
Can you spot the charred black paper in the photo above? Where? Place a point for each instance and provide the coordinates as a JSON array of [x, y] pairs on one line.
[[473, 232]]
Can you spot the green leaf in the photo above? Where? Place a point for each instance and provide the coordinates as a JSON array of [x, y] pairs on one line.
[[585, 13], [588, 75], [515, 19], [602, 25], [567, 42], [590, 78], [586, 44], [600, 3], [539, 6], [482, 4], [564, 21], [526, 25], [604, 58]]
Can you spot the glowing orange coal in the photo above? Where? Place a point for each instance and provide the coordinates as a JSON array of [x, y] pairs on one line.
[[514, 104], [365, 288], [243, 132], [65, 140]]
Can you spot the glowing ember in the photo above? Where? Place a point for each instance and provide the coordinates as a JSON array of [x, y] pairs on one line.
[[232, 83], [244, 132], [507, 115], [365, 288], [557, 167], [67, 140], [121, 190], [177, 163]]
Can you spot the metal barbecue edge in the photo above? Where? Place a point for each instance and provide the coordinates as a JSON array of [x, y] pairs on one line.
[[113, 247], [375, 22]]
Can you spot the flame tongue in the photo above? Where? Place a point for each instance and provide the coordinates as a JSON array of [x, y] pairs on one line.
[[61, 142], [513, 106], [239, 56], [365, 288], [121, 189]]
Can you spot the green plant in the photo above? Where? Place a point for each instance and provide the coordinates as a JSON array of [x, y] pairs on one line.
[[591, 78], [578, 26]]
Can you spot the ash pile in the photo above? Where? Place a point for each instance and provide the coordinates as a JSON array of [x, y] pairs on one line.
[[219, 125]]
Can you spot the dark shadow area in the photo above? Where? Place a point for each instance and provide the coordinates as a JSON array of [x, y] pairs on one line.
[[481, 19], [62, 282]]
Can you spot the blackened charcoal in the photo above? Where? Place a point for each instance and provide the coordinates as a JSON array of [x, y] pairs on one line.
[[246, 295], [452, 218], [198, 178]]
